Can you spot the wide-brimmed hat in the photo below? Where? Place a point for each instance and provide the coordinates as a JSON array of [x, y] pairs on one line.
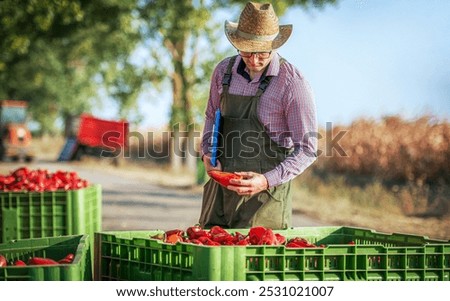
[[258, 29]]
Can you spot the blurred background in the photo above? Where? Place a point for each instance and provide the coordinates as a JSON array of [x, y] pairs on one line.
[[380, 72]]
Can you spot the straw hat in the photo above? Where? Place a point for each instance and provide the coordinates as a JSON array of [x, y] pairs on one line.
[[258, 29]]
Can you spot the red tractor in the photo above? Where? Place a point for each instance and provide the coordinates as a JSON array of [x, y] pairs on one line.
[[15, 137]]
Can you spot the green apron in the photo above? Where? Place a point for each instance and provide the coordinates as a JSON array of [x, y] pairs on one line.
[[245, 146]]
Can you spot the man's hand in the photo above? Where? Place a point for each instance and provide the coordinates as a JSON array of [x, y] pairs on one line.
[[208, 166], [250, 184]]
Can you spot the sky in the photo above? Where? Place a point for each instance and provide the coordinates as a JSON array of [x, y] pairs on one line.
[[371, 58], [364, 59]]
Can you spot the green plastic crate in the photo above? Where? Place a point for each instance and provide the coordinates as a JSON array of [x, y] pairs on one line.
[[48, 214], [52, 247], [374, 256]]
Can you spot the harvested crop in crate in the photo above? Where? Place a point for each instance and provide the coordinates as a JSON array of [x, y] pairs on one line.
[[218, 236], [40, 180]]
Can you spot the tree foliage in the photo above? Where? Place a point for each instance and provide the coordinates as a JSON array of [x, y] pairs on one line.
[[52, 52]]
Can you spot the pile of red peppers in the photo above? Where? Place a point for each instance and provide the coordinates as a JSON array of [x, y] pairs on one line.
[[40, 180], [36, 261], [218, 236]]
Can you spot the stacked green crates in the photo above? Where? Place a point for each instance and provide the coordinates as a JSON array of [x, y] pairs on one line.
[[53, 247], [47, 214], [349, 254]]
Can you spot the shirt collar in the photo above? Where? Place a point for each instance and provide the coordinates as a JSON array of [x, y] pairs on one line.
[[273, 68]]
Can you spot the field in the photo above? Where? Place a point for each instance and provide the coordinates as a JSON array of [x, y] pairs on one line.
[[390, 174]]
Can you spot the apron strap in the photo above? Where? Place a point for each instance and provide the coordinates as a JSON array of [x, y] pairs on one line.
[[263, 85], [266, 80], [226, 80]]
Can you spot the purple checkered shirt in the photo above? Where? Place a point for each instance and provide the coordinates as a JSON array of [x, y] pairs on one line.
[[286, 109]]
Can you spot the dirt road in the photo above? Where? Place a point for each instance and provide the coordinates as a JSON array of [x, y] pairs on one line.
[[135, 199]]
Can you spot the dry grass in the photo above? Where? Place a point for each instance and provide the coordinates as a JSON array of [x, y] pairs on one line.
[[342, 209], [394, 149], [394, 177], [407, 159]]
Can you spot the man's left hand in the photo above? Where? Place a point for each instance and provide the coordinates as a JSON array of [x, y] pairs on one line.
[[250, 183]]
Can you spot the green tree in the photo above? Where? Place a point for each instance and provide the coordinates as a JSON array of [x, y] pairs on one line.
[[53, 52], [186, 34]]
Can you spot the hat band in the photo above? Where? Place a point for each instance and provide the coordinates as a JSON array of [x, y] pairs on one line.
[[254, 37]]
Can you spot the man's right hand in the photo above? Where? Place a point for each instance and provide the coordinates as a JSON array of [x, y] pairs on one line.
[[208, 165]]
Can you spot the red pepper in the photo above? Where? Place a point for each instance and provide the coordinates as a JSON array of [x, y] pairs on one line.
[[217, 230], [174, 231], [19, 262], [220, 235], [293, 245], [243, 242], [41, 261], [207, 241], [21, 172], [298, 242], [222, 238], [7, 180], [173, 238], [255, 234], [68, 259], [239, 237], [268, 238], [280, 238], [222, 177], [195, 241], [3, 261], [196, 232], [203, 239]]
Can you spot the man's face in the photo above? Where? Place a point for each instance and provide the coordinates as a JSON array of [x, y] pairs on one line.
[[255, 63]]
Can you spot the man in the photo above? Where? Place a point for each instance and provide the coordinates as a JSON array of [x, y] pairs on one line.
[[268, 130]]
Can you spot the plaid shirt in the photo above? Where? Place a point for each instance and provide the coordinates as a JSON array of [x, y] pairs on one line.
[[286, 109]]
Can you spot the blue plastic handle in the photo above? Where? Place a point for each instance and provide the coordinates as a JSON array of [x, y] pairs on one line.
[[215, 138]]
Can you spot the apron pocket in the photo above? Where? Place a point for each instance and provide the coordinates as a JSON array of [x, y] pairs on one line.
[[277, 193], [275, 212]]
